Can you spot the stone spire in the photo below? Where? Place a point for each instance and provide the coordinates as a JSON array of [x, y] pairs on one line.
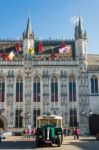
[[29, 32], [28, 38], [80, 35], [78, 30], [80, 42]]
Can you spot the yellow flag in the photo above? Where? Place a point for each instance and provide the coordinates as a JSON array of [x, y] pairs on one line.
[[31, 51]]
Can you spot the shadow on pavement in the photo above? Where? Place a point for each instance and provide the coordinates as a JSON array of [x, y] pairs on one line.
[[85, 144], [18, 145], [90, 140]]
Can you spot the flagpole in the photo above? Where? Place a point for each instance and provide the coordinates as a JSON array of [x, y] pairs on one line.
[[4, 48], [52, 48]]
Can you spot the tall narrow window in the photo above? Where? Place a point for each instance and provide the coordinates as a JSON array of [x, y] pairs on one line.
[[19, 89], [18, 119], [72, 89], [36, 89], [73, 117], [36, 113], [54, 89], [94, 85], [2, 89]]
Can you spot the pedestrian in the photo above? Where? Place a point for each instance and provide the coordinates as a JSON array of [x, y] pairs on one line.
[[69, 131], [77, 132], [27, 133], [65, 131], [74, 133], [0, 136], [33, 133]]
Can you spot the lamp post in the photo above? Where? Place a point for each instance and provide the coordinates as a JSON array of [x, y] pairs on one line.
[[26, 117], [84, 114], [29, 117]]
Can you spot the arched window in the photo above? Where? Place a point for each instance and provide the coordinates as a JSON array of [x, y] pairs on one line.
[[94, 85], [36, 113], [36, 89], [73, 117], [18, 120], [19, 89], [2, 88], [72, 89], [54, 89]]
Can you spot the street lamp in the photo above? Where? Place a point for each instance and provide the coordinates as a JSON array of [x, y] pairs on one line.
[[29, 116], [84, 113], [26, 117]]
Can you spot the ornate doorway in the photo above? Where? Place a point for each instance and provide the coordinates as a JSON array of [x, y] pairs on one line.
[[1, 124], [94, 124]]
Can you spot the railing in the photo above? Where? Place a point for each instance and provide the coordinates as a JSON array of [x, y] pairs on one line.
[[40, 62]]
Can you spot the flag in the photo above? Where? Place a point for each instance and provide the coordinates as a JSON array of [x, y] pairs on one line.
[[3, 55], [17, 48], [65, 50], [31, 51], [52, 55], [62, 44], [40, 47], [10, 56]]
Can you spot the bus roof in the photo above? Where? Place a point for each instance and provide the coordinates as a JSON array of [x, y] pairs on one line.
[[49, 117]]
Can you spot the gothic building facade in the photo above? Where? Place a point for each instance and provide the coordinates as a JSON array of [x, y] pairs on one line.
[[48, 81]]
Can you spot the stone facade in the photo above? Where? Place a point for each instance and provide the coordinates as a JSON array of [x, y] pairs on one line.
[[70, 76]]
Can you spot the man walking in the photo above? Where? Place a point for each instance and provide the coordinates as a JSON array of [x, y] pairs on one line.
[[77, 132]]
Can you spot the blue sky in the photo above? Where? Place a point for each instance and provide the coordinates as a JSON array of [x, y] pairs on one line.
[[50, 19]]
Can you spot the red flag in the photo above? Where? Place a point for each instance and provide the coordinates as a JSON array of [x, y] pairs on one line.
[[40, 47], [62, 44], [52, 55], [17, 47], [3, 55]]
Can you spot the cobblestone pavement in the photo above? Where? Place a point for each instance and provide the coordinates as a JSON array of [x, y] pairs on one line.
[[21, 143]]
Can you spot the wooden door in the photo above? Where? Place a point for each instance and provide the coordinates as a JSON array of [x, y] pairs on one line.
[[94, 124]]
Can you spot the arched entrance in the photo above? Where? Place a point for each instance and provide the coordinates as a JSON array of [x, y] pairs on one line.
[[94, 124], [1, 124]]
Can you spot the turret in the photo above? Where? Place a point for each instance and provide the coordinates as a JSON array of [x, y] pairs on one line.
[[28, 38], [80, 42]]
